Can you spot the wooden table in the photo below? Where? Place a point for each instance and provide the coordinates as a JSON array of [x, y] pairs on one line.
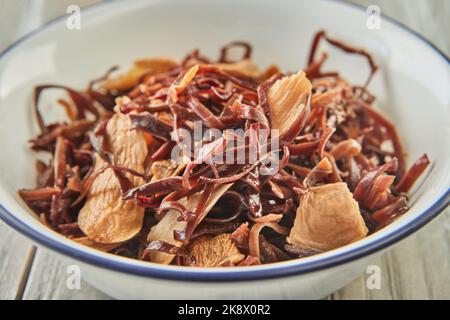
[[418, 268]]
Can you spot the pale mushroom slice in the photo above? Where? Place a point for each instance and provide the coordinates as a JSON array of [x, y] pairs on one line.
[[243, 68], [289, 103], [346, 148], [163, 169], [179, 86], [106, 217], [327, 218], [140, 68], [163, 231], [95, 245], [215, 252], [246, 68]]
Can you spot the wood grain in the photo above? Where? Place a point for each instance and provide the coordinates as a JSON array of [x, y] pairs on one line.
[[16, 256], [418, 268], [48, 281]]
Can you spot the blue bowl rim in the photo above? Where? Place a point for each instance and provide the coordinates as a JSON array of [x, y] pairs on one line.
[[244, 274]]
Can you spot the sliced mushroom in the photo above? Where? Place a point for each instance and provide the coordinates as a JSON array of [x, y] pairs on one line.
[[106, 217], [214, 252], [246, 68], [346, 148], [95, 245], [163, 169], [140, 68], [327, 218], [318, 173], [163, 231], [178, 87], [243, 68], [289, 100]]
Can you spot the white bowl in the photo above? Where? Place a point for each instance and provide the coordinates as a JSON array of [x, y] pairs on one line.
[[412, 89]]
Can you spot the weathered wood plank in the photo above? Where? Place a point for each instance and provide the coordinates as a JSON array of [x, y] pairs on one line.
[[48, 281], [416, 269], [16, 254]]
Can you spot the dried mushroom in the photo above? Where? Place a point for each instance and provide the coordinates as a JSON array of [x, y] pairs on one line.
[[163, 169], [106, 217], [327, 218], [143, 67], [95, 245], [165, 228], [288, 100], [215, 252], [244, 68], [346, 148]]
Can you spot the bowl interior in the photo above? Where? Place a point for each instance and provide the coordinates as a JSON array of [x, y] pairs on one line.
[[411, 88]]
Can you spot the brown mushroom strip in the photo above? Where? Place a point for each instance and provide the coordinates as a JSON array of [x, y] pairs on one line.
[[106, 217], [224, 52], [168, 248], [249, 261], [73, 130], [389, 213], [373, 190], [161, 186], [214, 252], [413, 174], [59, 167], [152, 124], [253, 242], [327, 218], [39, 194], [346, 48], [326, 135]]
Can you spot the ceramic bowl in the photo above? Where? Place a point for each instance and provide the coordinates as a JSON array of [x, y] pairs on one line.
[[412, 89]]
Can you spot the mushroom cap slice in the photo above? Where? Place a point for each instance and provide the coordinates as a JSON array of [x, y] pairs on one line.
[[346, 148], [163, 169], [214, 252], [243, 68], [327, 218], [289, 103], [95, 245], [106, 217], [147, 67]]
